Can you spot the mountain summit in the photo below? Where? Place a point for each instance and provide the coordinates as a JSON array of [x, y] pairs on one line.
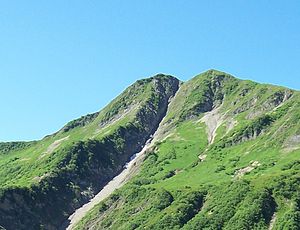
[[214, 152]]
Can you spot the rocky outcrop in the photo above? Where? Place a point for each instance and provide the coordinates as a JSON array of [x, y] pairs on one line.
[[206, 95], [249, 132], [274, 101]]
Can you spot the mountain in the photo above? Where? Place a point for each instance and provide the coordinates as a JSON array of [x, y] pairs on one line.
[[43, 182], [224, 154]]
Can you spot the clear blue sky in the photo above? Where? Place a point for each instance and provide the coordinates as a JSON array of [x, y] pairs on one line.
[[62, 59]]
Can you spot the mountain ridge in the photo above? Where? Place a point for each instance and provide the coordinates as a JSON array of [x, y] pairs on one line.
[[121, 134], [156, 75], [217, 133], [180, 171]]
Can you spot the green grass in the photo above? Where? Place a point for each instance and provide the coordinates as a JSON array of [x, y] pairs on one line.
[[227, 201], [55, 175], [174, 189]]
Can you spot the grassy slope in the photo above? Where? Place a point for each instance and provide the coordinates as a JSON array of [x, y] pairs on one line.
[[174, 189], [62, 164]]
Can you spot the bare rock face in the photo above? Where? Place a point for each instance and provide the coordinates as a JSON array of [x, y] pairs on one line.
[[210, 93], [275, 100], [246, 106], [292, 143]]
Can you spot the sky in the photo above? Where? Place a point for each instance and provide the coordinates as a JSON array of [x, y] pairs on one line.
[[63, 59]]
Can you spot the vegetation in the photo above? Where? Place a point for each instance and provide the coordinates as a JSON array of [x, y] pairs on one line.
[[43, 182], [246, 178]]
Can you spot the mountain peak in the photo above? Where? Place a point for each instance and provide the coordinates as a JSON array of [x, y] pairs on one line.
[[161, 76], [214, 73]]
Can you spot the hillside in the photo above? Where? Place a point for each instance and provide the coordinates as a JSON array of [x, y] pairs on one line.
[[226, 158], [43, 182], [224, 155]]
